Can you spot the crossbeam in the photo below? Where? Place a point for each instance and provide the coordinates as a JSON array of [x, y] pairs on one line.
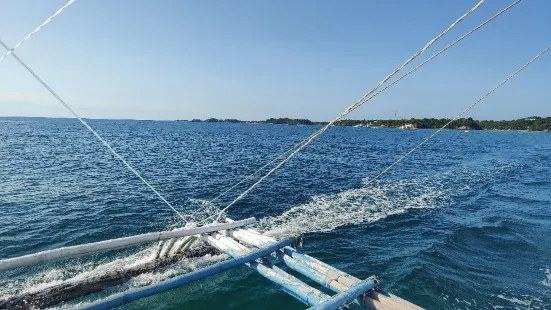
[[287, 282], [342, 299]]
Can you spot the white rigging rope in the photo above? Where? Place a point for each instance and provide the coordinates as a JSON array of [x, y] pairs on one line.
[[37, 29], [374, 95], [457, 117], [444, 49], [258, 170], [351, 108], [82, 121]]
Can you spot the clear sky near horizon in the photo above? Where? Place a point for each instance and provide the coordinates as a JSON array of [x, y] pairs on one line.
[[253, 60]]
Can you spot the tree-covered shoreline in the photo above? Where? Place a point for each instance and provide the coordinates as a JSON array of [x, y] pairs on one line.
[[534, 123]]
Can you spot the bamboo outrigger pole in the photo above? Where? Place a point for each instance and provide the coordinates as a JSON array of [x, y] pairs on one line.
[[107, 245]]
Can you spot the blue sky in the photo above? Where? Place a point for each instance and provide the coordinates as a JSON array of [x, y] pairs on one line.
[[253, 60]]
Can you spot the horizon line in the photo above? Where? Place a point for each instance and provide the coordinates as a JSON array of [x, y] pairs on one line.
[[248, 121]]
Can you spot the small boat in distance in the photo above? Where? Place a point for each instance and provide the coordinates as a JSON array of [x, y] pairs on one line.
[[408, 126]]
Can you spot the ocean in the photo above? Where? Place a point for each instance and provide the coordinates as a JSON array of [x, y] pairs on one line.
[[463, 223]]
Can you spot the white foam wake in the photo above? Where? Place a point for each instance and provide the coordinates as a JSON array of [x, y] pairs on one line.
[[362, 205], [72, 273], [78, 272], [375, 201]]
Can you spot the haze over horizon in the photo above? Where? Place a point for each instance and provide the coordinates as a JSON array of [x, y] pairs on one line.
[[252, 61], [244, 120]]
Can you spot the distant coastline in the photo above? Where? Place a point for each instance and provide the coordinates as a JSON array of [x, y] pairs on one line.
[[534, 123]]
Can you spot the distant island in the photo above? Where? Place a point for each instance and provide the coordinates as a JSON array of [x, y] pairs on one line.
[[534, 123]]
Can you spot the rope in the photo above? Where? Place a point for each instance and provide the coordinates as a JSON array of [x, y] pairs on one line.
[[377, 93], [444, 49], [457, 116], [351, 108], [92, 130], [37, 29], [259, 169]]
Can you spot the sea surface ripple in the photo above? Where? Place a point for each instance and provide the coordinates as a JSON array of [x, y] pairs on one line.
[[464, 223]]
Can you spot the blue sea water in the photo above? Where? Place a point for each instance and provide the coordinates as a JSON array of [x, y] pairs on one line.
[[464, 223]]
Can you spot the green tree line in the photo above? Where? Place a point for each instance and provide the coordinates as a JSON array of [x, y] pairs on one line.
[[534, 123]]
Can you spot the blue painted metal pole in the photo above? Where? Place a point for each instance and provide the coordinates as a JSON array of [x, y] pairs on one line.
[[323, 268], [129, 296], [293, 286], [288, 283], [311, 272], [303, 257], [346, 297], [320, 271]]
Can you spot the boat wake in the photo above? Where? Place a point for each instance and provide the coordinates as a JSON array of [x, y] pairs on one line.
[[378, 200], [367, 204], [123, 273]]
